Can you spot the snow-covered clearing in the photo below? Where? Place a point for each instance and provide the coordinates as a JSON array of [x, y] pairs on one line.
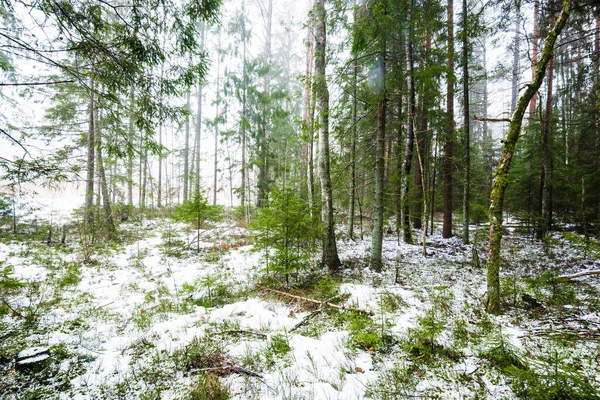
[[148, 318]]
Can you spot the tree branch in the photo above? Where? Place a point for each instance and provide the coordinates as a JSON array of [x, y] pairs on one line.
[[321, 303]]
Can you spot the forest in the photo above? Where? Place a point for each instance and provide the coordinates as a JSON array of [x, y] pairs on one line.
[[318, 199]]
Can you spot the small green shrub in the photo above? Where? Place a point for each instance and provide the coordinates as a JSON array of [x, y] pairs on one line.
[[391, 302], [285, 226], [71, 275], [548, 287], [196, 211], [478, 213], [501, 353], [278, 347]]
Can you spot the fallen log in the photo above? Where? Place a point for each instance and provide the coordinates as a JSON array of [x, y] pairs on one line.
[[577, 275], [321, 303]]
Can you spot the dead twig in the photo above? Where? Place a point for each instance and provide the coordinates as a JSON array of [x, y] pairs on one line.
[[306, 319], [236, 369], [321, 303], [241, 332], [577, 275]]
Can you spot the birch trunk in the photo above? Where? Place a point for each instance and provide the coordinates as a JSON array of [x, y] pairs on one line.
[[329, 257]]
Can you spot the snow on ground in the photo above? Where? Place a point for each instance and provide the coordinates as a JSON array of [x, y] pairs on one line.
[[136, 307]]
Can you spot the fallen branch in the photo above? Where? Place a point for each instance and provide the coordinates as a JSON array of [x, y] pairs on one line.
[[321, 303], [235, 369], [577, 275], [476, 118], [242, 332], [306, 319]]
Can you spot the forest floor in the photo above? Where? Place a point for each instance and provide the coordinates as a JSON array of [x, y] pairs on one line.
[[146, 318]]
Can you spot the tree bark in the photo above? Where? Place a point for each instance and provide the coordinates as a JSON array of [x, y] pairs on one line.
[[546, 175], [91, 162], [466, 122], [104, 186], [244, 111], [198, 139], [500, 181], [216, 159], [186, 150], [329, 257], [378, 212], [535, 53], [422, 126], [263, 145], [410, 134], [353, 152], [131, 135], [516, 57], [448, 158]]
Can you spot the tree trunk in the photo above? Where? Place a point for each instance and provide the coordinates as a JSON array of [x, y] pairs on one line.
[[198, 139], [330, 256], [546, 185], [186, 150], [131, 135], [410, 134], [535, 51], [377, 237], [448, 159], [421, 132], [216, 161], [353, 152], [516, 57], [244, 111], [160, 164], [104, 186], [91, 162], [500, 180], [399, 161], [466, 123], [263, 146]]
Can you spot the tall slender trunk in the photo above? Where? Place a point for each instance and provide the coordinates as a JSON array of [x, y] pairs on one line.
[[546, 176], [330, 256], [596, 94], [421, 133], [448, 159], [144, 173], [216, 161], [131, 135], [186, 150], [198, 139], [353, 152], [410, 134], [244, 111], [160, 164], [516, 57], [307, 107], [399, 161], [433, 184], [263, 147], [466, 123], [104, 186], [91, 162], [535, 51], [500, 181], [485, 149], [377, 237]]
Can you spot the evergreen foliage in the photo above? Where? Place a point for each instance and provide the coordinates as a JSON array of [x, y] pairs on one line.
[[197, 211], [285, 228]]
